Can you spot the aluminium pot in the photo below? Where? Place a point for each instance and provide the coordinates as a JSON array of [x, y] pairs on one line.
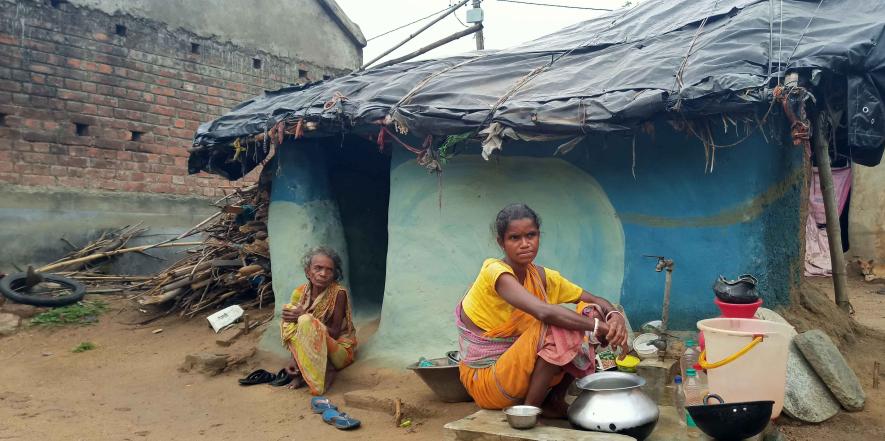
[[613, 402]]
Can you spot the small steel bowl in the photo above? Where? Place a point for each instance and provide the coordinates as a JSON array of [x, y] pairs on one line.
[[522, 417]]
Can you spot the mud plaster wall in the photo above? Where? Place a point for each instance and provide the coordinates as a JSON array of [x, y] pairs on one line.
[[866, 219], [302, 215], [599, 221], [434, 254]]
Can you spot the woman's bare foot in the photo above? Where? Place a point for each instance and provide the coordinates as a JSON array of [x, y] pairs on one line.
[[292, 367], [297, 382], [554, 408]]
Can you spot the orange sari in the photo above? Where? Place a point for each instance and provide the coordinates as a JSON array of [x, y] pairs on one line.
[[506, 381]]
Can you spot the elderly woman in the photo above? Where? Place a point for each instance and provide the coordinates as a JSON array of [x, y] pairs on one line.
[[516, 341], [317, 326]]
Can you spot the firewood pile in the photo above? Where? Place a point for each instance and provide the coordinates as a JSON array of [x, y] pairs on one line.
[[232, 263]]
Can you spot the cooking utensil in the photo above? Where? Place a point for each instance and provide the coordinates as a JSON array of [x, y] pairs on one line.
[[443, 378], [731, 421], [613, 402], [522, 416]]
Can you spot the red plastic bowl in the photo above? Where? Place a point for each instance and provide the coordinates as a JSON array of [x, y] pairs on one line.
[[737, 310]]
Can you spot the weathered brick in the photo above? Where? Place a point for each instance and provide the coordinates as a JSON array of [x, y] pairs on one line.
[[69, 71]]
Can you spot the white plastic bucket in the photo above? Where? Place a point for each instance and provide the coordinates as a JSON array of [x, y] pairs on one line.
[[760, 373]]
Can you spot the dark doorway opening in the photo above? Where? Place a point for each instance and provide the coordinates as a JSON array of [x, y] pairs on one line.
[[359, 178]]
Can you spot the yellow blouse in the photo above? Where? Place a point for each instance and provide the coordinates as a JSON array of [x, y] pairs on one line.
[[488, 310]]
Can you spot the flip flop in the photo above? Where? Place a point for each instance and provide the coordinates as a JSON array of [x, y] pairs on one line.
[[282, 378], [321, 404], [340, 420], [260, 376]]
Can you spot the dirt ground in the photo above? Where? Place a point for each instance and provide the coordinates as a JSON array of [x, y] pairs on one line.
[[130, 388]]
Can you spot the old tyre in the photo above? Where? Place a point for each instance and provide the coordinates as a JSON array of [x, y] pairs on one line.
[[12, 286]]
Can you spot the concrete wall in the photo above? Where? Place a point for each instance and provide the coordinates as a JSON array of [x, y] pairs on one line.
[[34, 221], [866, 217], [297, 29]]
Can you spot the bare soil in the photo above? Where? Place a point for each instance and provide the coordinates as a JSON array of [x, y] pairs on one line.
[[130, 388]]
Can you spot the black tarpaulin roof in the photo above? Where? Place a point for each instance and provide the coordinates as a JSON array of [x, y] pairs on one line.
[[690, 58]]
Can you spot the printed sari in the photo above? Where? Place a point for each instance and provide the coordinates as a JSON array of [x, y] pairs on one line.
[[309, 341]]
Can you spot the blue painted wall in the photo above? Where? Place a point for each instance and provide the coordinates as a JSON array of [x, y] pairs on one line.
[[743, 217]]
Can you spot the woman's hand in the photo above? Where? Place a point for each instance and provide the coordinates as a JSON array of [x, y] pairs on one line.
[[616, 334], [291, 313]]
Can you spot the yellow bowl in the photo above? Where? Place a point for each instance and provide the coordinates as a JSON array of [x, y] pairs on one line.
[[627, 363]]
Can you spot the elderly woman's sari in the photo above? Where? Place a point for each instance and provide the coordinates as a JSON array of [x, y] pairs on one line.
[[308, 339]]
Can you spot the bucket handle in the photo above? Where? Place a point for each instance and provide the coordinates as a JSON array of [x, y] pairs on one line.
[[702, 360]]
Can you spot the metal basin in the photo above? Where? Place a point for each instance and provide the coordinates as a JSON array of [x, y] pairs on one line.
[[522, 417], [443, 379], [613, 402]]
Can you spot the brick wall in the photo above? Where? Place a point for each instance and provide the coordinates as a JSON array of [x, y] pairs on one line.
[[93, 101]]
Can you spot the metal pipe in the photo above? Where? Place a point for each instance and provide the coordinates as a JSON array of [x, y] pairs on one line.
[[415, 34], [834, 234]]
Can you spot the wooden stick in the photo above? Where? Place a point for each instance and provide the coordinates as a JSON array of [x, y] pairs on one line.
[[875, 375], [397, 412], [162, 298], [104, 254]]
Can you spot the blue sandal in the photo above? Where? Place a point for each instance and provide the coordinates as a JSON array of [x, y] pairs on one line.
[[321, 404], [340, 420]]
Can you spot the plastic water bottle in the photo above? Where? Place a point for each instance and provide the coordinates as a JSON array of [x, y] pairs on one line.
[[694, 396], [689, 358], [679, 400]]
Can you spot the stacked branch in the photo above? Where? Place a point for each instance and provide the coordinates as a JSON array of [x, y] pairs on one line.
[[96, 253], [232, 263]]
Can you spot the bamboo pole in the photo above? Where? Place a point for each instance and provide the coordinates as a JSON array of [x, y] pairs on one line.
[[102, 255], [415, 34], [432, 46], [834, 234]]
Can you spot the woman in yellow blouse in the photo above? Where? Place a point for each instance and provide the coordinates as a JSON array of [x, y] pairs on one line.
[[516, 342]]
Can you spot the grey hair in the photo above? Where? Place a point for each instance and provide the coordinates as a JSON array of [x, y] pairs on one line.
[[325, 251]]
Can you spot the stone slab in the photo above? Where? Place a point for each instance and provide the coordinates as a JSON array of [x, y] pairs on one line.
[[825, 358], [658, 376], [806, 397], [22, 310], [205, 363], [767, 314], [491, 425], [9, 323]]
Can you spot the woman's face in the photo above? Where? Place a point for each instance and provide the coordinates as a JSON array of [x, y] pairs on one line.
[[520, 241], [321, 271]]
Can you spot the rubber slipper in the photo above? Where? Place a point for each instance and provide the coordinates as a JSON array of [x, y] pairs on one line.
[[321, 404], [260, 376], [282, 378], [340, 420]]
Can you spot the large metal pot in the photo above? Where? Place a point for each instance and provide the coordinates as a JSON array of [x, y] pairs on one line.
[[613, 402]]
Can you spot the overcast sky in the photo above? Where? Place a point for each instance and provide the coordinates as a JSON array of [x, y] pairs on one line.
[[506, 24]]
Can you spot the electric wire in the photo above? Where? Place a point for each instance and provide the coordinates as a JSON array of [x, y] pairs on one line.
[[409, 24], [556, 6]]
